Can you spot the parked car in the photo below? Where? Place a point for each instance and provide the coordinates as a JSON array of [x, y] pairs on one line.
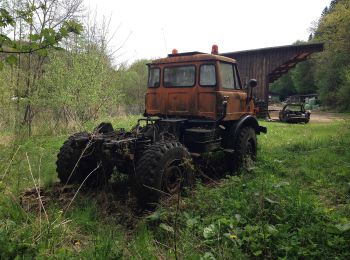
[[294, 113]]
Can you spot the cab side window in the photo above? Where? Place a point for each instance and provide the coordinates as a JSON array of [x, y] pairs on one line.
[[229, 76], [237, 79], [154, 78]]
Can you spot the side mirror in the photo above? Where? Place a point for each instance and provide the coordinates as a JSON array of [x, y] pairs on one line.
[[252, 83]]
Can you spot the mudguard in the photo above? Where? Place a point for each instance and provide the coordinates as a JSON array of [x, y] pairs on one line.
[[249, 120]]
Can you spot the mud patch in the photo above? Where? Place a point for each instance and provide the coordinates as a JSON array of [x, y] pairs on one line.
[[115, 201], [6, 140]]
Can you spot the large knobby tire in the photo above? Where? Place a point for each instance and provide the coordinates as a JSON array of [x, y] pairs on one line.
[[75, 164], [245, 149], [164, 168]]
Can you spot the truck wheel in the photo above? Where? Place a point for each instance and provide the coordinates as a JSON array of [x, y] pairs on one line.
[[164, 167], [70, 173], [245, 149]]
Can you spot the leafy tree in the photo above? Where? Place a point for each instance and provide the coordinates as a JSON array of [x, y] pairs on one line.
[[303, 78], [40, 26], [78, 86], [328, 72], [133, 84], [37, 27], [284, 86], [343, 94], [332, 66]]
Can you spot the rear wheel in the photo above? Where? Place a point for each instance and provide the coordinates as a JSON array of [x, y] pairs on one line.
[[75, 164], [164, 168]]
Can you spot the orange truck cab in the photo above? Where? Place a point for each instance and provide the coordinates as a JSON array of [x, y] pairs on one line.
[[196, 85]]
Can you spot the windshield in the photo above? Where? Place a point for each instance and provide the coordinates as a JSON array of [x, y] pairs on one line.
[[179, 76], [154, 77], [295, 108]]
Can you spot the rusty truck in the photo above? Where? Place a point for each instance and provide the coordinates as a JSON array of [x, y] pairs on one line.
[[195, 104]]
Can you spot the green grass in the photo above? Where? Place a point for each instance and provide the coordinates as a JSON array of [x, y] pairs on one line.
[[294, 204]]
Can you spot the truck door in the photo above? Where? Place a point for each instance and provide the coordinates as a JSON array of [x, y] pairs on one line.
[[153, 106], [231, 89]]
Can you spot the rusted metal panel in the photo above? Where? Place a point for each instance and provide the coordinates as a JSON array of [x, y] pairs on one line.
[[206, 103], [236, 105], [153, 102]]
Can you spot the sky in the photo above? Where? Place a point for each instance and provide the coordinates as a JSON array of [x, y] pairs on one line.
[[152, 28]]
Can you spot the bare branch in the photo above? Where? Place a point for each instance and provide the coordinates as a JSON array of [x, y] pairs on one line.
[[81, 185]]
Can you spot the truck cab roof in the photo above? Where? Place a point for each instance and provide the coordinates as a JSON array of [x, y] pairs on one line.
[[191, 57]]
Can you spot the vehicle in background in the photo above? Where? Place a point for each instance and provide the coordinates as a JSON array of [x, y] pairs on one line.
[[294, 113]]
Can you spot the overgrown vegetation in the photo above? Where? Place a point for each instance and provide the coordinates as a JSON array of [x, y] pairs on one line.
[[327, 73], [294, 204], [58, 70]]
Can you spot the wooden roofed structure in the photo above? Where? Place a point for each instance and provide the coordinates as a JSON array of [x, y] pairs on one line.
[[268, 64]]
